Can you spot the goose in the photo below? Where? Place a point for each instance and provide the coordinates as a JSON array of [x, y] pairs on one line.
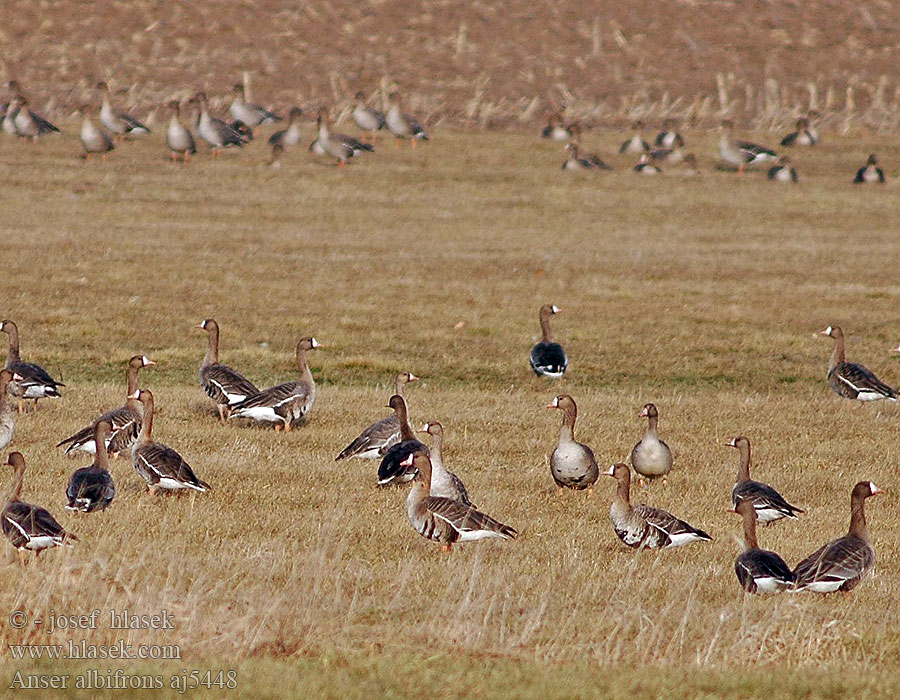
[[158, 464], [92, 488], [7, 416], [26, 526], [443, 483], [390, 470], [287, 403], [548, 359], [672, 156], [689, 166], [402, 125], [741, 153], [244, 131], [848, 379], [557, 129], [442, 519], [636, 143], [870, 172], [368, 120], [222, 384], [841, 564], [214, 131], [31, 125], [759, 570], [579, 161], [669, 137], [375, 440], [802, 136], [651, 458], [125, 421], [179, 138], [782, 171], [93, 138], [337, 146], [572, 464], [119, 123], [769, 504], [593, 159], [34, 383], [645, 526], [645, 167], [290, 136], [252, 115]]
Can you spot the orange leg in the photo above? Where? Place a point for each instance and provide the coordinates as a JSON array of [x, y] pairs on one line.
[[21, 553], [412, 142], [446, 548], [287, 426], [278, 427], [21, 406], [221, 408]]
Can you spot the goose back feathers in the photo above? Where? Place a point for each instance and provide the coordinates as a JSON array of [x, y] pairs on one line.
[[547, 358], [768, 504], [92, 488], [381, 435]]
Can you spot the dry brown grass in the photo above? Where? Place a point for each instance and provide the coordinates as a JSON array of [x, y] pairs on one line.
[[699, 294], [477, 63]]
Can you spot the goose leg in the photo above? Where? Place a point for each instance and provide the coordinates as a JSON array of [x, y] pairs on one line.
[[412, 143], [446, 548], [278, 427], [35, 405], [21, 553], [221, 408], [590, 491], [287, 426], [21, 405]]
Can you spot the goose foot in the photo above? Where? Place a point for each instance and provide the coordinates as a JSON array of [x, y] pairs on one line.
[[221, 408], [278, 427], [446, 548]]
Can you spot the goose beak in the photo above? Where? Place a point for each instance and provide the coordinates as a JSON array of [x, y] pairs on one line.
[[611, 471], [147, 361], [555, 309], [897, 349], [412, 377], [827, 331], [135, 395], [730, 443], [874, 489], [424, 428], [408, 461], [554, 403], [643, 413], [317, 344], [201, 326]]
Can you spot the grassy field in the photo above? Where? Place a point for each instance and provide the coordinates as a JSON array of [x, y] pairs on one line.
[[700, 294]]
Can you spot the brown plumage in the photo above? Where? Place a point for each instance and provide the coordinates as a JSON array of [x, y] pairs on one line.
[[381, 435], [222, 384]]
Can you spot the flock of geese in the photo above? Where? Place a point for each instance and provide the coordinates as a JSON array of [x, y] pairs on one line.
[[439, 507], [17, 119], [668, 149]]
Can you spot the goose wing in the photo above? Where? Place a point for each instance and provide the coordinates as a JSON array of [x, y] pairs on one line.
[[126, 424], [90, 489], [379, 436], [862, 380], [274, 396], [763, 497], [842, 561], [156, 462], [466, 520], [676, 530], [226, 386], [23, 522], [33, 375]]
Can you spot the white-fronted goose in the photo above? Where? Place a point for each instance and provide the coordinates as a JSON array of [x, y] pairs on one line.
[[381, 435], [556, 129], [158, 464], [636, 144], [782, 171], [841, 564], [672, 156], [592, 159], [339, 146], [250, 114], [645, 167], [92, 488], [125, 421], [179, 138], [572, 464], [29, 527], [582, 161], [651, 458], [669, 136], [93, 139], [444, 483], [368, 120], [391, 469], [445, 520], [8, 124], [802, 136], [30, 125], [547, 358], [34, 383], [214, 131], [768, 503], [7, 416], [645, 526], [848, 379], [741, 153], [402, 125], [287, 403], [290, 136], [117, 122], [222, 384], [759, 570], [870, 172]]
